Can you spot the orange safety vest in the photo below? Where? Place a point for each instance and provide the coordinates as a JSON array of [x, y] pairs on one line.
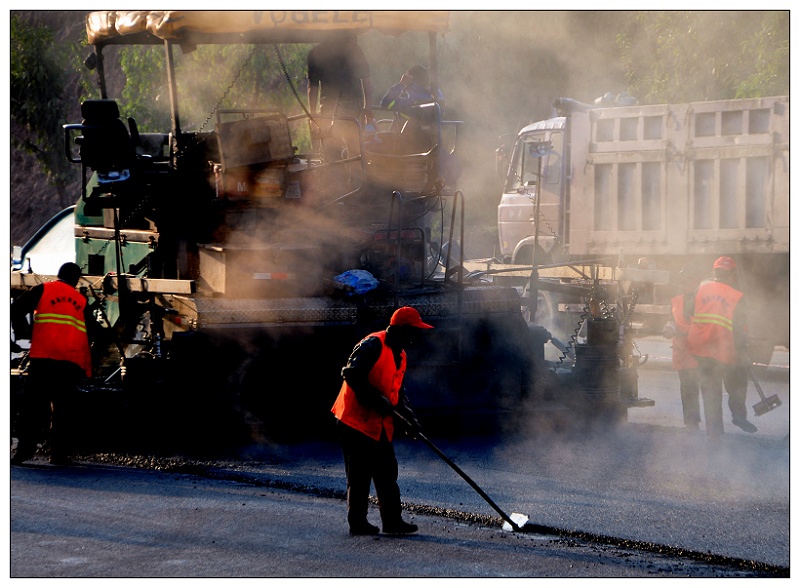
[[59, 330], [387, 378], [681, 358], [711, 330]]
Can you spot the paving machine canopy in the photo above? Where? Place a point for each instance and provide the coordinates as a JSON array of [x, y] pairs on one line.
[[258, 26]]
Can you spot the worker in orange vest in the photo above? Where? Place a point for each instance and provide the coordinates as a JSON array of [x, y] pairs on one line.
[[717, 339], [372, 391], [59, 355], [682, 361]]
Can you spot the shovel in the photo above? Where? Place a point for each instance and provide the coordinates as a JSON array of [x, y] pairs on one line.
[[515, 522], [766, 404]]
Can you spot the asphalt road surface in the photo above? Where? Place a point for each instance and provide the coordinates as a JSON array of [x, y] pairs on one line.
[[644, 500], [95, 521]]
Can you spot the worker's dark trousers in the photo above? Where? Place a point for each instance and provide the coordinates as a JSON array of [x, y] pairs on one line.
[[713, 374], [366, 461], [46, 406], [690, 396]]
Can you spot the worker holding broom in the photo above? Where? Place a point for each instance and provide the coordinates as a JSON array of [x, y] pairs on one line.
[[371, 393], [717, 339]]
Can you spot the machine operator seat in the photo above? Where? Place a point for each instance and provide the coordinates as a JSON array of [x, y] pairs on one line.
[[106, 145], [421, 131]]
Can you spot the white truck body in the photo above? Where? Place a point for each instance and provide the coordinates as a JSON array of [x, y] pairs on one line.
[[676, 184]]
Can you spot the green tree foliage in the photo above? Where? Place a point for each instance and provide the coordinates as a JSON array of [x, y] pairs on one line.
[[38, 76], [707, 55], [768, 49], [211, 78], [145, 95]]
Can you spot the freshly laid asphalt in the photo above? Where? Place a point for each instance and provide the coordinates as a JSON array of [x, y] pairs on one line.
[[95, 521], [648, 483]]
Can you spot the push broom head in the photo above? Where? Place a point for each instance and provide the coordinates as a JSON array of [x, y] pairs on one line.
[[518, 518]]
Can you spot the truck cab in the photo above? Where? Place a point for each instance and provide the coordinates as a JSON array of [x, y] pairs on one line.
[[536, 167]]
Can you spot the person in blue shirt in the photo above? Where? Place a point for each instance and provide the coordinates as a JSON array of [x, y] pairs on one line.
[[412, 89]]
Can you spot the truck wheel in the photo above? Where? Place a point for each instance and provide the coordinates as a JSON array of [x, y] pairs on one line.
[[544, 308], [560, 324]]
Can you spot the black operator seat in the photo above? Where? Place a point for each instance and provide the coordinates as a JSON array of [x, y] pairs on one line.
[[106, 145]]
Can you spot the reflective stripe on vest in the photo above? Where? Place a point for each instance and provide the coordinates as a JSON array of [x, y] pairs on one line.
[[386, 377], [61, 319], [714, 319], [59, 330]]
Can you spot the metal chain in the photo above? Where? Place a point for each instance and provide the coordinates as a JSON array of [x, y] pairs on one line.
[[229, 88], [629, 312], [605, 311], [288, 79], [573, 337], [543, 218], [136, 209], [631, 305], [102, 249], [553, 233]]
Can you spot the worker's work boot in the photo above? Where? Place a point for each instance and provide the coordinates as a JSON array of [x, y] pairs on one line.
[[745, 425], [21, 457], [400, 527], [61, 460], [363, 528], [25, 452]]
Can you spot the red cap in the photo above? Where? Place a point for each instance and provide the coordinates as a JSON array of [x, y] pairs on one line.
[[725, 263], [408, 316]]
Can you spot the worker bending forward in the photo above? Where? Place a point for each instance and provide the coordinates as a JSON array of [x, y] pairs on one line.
[[371, 392], [60, 357]]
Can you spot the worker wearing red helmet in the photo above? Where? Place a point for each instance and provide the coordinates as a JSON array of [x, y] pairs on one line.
[[372, 391], [717, 339]]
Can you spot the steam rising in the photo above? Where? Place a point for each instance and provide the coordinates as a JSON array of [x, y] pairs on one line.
[[498, 71], [651, 461]]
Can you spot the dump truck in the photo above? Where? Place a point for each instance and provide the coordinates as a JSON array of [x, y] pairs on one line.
[[233, 265], [639, 192]]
